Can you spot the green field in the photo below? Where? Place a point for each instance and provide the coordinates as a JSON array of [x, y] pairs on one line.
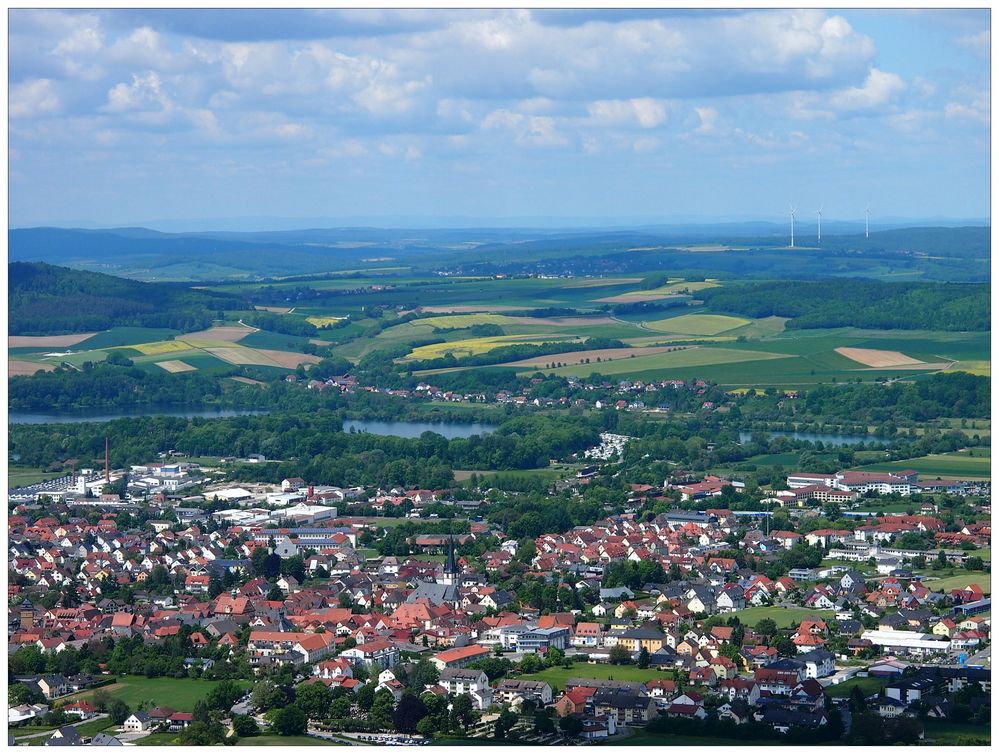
[[869, 686], [125, 336], [549, 473], [179, 693], [557, 676], [265, 739], [784, 617], [944, 733], [667, 363], [698, 324], [972, 463], [959, 580], [20, 476], [641, 737]]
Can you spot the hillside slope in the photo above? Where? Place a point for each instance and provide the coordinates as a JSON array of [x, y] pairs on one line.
[[46, 300]]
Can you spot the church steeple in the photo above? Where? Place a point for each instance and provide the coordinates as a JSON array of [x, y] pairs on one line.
[[450, 575], [452, 566]]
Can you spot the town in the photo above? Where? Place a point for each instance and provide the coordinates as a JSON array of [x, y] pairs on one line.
[[698, 619], [499, 377]]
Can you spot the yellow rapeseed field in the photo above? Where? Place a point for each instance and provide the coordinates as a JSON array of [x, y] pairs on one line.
[[162, 346]]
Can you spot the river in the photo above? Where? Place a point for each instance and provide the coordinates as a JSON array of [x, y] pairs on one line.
[[106, 415], [835, 440], [450, 430]]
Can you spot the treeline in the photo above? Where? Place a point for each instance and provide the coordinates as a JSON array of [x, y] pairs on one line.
[[45, 299], [281, 323], [955, 394], [648, 307], [860, 303], [110, 386], [516, 352]]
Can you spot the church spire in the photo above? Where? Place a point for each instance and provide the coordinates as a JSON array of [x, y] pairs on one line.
[[452, 565]]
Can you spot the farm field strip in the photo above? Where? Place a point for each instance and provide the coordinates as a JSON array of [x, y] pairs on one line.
[[697, 356], [697, 324], [579, 357], [19, 367], [885, 359], [475, 346], [175, 366], [677, 288], [47, 341]]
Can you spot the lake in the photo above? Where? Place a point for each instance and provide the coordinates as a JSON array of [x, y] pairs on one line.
[[450, 430], [106, 415], [835, 440]]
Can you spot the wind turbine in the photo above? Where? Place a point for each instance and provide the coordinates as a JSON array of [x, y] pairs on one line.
[[820, 223], [792, 226], [867, 222]]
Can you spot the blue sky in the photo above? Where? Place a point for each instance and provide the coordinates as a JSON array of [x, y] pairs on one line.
[[124, 116]]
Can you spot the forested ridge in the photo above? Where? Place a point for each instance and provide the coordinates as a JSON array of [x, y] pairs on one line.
[[860, 303], [45, 299]]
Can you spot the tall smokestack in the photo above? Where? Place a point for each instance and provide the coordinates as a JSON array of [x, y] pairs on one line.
[[107, 464]]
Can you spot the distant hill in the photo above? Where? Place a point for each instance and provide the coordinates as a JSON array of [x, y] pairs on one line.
[[860, 303], [930, 253], [46, 300]]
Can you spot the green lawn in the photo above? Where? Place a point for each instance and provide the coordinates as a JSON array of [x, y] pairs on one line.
[[275, 740], [91, 728], [950, 734], [958, 580], [21, 476], [869, 686], [784, 617], [557, 677], [178, 693], [266, 739], [644, 738]]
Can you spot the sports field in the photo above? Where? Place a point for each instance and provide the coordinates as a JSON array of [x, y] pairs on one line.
[[558, 676], [784, 617], [179, 693]]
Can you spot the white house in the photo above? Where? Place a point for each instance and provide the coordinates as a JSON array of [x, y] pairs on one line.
[[819, 663], [137, 722], [475, 683]]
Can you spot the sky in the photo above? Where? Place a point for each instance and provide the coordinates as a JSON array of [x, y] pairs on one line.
[[121, 117]]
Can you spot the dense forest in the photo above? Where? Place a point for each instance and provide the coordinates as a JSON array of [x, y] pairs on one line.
[[45, 299], [957, 394], [110, 386], [860, 303]]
